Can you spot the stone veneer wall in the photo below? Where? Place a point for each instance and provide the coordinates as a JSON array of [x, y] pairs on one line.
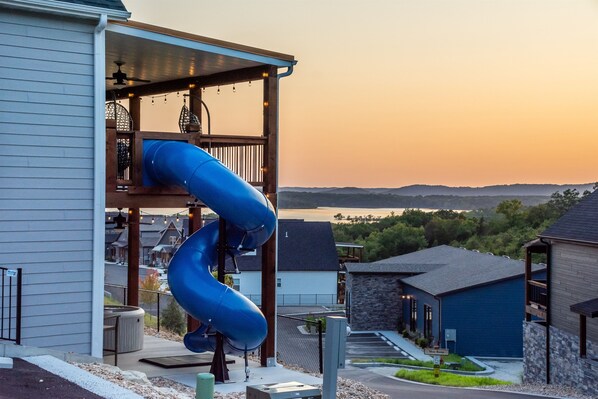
[[375, 301], [566, 367]]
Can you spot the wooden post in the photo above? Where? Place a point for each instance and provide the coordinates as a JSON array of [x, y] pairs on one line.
[[194, 225], [527, 278], [582, 336], [270, 163], [135, 111], [133, 258]]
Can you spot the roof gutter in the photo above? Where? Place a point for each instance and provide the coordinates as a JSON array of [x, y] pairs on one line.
[[63, 8], [99, 186]]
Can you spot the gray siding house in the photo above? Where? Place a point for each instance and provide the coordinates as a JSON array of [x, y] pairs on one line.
[[561, 328], [55, 181], [51, 166]]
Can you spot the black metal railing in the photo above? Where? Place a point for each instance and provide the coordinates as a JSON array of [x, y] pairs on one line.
[[307, 332], [152, 302], [10, 304]]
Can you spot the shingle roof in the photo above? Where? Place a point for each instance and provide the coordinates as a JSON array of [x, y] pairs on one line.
[[302, 246], [464, 269], [377, 267], [107, 4], [579, 224]]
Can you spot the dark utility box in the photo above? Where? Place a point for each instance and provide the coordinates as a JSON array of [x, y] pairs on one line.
[[285, 390]]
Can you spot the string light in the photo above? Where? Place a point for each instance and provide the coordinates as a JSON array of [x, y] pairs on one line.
[[218, 92], [140, 99], [177, 93], [153, 102], [165, 221], [234, 88], [177, 217], [164, 99], [153, 220], [250, 83], [203, 89]]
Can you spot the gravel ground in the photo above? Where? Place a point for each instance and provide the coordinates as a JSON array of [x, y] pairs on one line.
[[163, 388]]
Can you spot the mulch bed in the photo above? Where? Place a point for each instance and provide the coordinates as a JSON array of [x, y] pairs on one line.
[[28, 381]]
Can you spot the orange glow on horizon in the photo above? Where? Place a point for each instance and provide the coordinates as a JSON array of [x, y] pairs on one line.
[[459, 93]]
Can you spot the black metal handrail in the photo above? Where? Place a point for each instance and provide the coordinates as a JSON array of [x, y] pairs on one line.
[[10, 304]]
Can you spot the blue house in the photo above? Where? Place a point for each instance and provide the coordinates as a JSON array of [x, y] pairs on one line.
[[465, 300]]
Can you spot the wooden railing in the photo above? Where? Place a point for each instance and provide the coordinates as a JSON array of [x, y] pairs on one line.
[[536, 302], [244, 155]]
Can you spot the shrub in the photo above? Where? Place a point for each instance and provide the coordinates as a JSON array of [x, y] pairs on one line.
[[149, 283], [405, 333], [173, 318], [310, 321], [422, 342]]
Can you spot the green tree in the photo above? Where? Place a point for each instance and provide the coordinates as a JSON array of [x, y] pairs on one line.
[[173, 318], [511, 209], [396, 240], [562, 202], [228, 278]]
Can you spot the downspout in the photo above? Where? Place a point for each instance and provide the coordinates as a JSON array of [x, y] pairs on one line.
[[99, 187], [548, 273], [288, 72]]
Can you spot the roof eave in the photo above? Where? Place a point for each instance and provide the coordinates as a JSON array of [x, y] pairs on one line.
[[568, 240], [62, 8], [200, 43]]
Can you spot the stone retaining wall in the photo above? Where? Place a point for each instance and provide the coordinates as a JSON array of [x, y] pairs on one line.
[[566, 366], [375, 301]]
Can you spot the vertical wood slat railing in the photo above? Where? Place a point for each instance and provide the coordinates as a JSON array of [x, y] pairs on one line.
[[244, 155], [11, 282]]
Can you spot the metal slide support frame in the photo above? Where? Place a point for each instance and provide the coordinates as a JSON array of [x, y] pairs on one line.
[[218, 368]]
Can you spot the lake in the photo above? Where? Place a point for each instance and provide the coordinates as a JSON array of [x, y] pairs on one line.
[[322, 214]]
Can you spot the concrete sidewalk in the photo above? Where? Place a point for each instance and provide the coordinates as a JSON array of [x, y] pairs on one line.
[[406, 345]]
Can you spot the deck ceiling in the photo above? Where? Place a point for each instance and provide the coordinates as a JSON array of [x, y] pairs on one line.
[[162, 55]]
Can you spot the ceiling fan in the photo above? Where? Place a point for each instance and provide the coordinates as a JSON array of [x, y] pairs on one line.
[[121, 78]]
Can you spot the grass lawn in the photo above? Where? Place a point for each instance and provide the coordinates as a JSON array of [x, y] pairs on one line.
[[465, 365], [448, 379]]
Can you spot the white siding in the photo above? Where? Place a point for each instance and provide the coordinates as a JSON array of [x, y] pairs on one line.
[[297, 288], [46, 173]]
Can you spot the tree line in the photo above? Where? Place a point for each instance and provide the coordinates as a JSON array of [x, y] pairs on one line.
[[501, 230]]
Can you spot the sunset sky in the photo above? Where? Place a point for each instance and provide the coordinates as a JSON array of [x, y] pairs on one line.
[[389, 93]]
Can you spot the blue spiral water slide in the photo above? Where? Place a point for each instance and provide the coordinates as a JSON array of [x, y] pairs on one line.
[[250, 221]]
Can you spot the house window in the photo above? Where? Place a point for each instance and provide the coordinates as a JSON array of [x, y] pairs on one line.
[[428, 321], [279, 282], [237, 284], [413, 314]]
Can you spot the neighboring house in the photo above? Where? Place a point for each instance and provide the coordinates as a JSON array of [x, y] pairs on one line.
[[59, 154], [308, 266], [169, 241], [154, 232], [471, 296], [561, 327]]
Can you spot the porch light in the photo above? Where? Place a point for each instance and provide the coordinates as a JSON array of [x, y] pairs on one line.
[[192, 85], [264, 169], [131, 95], [264, 74], [266, 103]]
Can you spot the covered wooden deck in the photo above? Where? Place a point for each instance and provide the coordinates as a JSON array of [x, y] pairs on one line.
[[159, 61]]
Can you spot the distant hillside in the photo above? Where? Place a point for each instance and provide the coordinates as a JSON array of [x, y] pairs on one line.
[[302, 200], [517, 190]]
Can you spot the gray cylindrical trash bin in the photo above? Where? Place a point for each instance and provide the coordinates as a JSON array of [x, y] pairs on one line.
[[130, 328]]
